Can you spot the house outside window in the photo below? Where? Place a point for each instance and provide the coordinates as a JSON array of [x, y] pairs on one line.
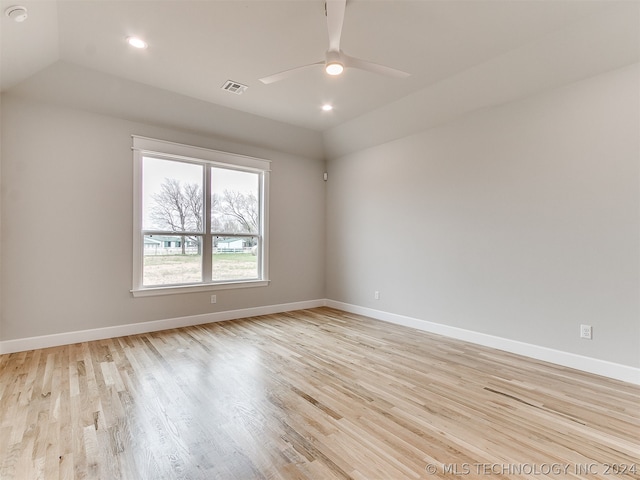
[[200, 219]]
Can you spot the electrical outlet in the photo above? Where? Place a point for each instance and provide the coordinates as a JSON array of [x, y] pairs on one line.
[[376, 295], [586, 331], [213, 299]]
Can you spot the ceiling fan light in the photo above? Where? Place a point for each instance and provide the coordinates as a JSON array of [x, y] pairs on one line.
[[137, 42], [334, 68]]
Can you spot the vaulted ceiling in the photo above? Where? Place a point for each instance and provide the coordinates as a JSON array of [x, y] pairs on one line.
[[195, 46]]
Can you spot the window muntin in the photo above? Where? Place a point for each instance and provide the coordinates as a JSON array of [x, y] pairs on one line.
[[199, 222]]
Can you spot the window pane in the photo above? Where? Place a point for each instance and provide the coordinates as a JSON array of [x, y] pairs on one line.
[[172, 196], [172, 259], [235, 258], [234, 201]]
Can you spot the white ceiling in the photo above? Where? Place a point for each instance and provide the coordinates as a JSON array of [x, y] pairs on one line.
[[195, 46]]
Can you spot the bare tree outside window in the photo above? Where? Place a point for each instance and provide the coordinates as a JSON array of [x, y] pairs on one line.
[[178, 208], [235, 212]]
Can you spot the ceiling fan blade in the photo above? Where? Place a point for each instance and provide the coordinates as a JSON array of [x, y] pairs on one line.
[[276, 77], [373, 67], [335, 19]]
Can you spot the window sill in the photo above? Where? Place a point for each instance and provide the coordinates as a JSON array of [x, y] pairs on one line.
[[177, 289]]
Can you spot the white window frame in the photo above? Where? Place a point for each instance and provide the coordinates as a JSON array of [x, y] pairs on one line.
[[144, 146]]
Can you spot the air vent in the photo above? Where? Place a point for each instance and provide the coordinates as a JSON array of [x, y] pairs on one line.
[[234, 87]]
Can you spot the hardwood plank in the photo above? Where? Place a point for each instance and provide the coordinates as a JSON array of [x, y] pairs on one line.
[[313, 394]]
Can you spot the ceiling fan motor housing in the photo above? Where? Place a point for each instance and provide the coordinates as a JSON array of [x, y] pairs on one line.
[[334, 64]]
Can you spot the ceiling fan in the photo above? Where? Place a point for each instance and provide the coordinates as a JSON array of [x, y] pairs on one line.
[[336, 60]]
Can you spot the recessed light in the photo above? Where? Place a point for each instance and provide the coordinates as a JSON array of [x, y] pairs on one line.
[[137, 42], [327, 107]]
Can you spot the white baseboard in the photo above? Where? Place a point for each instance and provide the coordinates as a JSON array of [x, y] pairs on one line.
[[44, 341], [558, 357]]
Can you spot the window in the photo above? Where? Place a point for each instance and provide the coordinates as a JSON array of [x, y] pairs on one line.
[[200, 219]]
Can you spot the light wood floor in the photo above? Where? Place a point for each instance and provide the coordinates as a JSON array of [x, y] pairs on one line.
[[315, 394]]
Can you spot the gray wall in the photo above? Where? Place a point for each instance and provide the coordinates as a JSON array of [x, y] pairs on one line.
[[67, 219], [520, 221]]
